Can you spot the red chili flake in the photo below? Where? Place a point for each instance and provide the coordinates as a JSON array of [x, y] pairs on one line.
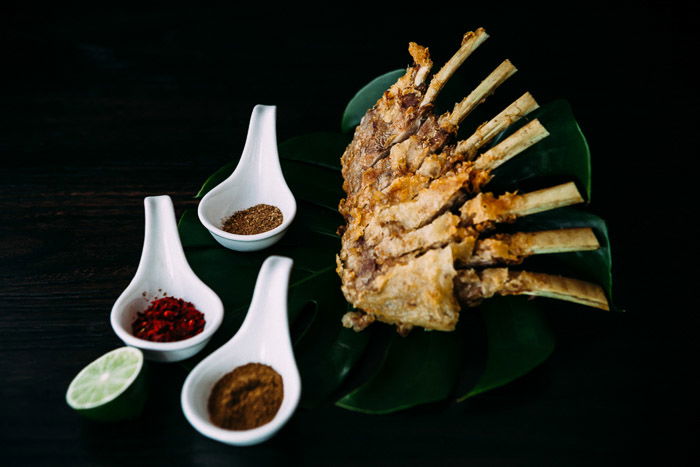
[[168, 319]]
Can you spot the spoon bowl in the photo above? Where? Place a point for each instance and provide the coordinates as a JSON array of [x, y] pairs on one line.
[[163, 271], [257, 179], [262, 338]]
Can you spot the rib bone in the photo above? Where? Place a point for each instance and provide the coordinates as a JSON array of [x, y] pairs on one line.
[[504, 71], [486, 132], [436, 165], [470, 42], [514, 248], [473, 287], [486, 208], [516, 143]]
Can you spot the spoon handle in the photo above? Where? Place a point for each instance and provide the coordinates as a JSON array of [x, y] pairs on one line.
[[267, 315], [260, 158], [162, 248]]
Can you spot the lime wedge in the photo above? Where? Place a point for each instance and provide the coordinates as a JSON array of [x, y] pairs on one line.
[[111, 387]]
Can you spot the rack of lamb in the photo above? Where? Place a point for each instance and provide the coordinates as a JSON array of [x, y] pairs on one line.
[[419, 241]]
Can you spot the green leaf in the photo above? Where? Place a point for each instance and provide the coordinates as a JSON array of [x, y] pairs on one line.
[[519, 339], [193, 233], [561, 157], [327, 351], [380, 372], [366, 98], [313, 183], [216, 178], [322, 148], [417, 369]]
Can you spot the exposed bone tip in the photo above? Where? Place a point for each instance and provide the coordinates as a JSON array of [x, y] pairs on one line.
[[538, 128], [600, 303], [571, 187], [528, 97], [508, 64], [478, 33]]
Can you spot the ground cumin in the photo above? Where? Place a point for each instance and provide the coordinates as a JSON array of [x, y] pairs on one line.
[[246, 398], [254, 220]]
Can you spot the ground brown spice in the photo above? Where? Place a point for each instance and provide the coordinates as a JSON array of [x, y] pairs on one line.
[[246, 398], [254, 220]]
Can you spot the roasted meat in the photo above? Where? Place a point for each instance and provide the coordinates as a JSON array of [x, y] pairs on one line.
[[418, 243]]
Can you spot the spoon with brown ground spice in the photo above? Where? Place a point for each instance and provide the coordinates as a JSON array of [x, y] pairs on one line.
[[250, 372], [235, 211]]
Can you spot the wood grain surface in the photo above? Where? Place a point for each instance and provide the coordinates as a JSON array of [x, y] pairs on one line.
[[104, 106]]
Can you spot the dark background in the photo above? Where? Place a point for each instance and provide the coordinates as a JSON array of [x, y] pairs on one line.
[[103, 106]]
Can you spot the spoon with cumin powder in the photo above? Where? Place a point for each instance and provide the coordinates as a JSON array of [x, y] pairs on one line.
[[253, 208], [263, 341]]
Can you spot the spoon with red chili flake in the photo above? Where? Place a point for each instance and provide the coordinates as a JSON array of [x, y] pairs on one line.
[[166, 310]]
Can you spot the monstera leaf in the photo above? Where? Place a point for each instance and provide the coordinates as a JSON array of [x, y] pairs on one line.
[[377, 371]]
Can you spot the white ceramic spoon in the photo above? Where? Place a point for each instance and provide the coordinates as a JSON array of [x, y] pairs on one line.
[[258, 179], [262, 338], [163, 270]]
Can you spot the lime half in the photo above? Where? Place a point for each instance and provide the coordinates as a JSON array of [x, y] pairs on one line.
[[110, 388]]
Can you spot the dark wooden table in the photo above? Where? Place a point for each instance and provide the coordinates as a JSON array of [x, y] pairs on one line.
[[106, 106]]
